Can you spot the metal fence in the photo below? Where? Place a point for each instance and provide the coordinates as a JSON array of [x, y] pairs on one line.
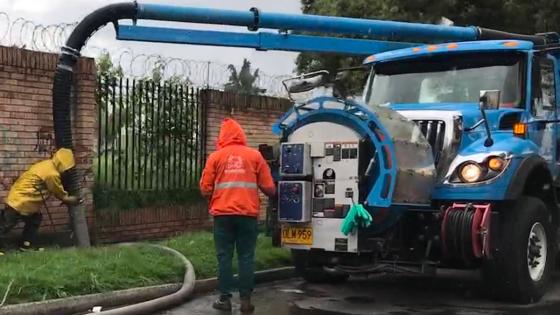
[[151, 135]]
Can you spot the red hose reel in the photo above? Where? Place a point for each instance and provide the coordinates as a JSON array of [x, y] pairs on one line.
[[465, 232]]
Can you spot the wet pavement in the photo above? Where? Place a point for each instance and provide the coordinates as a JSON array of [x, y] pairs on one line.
[[450, 293]]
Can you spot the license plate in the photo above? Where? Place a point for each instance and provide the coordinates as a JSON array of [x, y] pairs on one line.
[[297, 235]]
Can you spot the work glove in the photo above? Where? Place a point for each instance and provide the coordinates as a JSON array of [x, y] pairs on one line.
[[358, 216]]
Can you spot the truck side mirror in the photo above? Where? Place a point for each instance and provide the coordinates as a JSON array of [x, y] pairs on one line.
[[489, 99], [306, 84]]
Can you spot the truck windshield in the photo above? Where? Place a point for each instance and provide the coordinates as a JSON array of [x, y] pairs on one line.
[[447, 79]]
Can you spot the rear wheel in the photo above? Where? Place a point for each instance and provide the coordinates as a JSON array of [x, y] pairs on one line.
[[311, 270], [522, 265]]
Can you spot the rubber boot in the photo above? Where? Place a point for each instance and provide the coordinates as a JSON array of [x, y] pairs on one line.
[[27, 247], [246, 305], [223, 304]]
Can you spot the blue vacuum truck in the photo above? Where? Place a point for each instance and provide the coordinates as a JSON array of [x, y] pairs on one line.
[[450, 157], [452, 153]]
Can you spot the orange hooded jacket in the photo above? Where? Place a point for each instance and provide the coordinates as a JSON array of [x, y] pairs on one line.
[[234, 173]]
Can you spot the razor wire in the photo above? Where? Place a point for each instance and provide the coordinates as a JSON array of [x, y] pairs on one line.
[[209, 74], [27, 34], [24, 33]]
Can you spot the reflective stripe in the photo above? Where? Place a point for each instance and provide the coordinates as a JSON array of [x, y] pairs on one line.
[[236, 185]]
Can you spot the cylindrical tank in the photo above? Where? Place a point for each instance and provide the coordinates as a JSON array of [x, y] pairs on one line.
[[416, 171]]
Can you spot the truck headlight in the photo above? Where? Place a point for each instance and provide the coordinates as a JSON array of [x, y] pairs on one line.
[[484, 169], [470, 172], [496, 164]]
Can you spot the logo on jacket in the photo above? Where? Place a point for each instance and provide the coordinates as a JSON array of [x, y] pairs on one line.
[[235, 164]]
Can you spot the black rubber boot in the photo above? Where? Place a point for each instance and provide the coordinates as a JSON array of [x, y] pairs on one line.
[[2, 248], [246, 305], [222, 304], [26, 246]]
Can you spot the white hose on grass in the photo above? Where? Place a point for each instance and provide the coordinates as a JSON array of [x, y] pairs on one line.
[[164, 302]]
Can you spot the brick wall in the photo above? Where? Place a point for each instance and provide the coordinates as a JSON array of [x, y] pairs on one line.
[[149, 223], [26, 136], [26, 127], [256, 114]]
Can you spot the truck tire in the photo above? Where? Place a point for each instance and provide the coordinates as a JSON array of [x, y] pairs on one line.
[[311, 271], [522, 265]]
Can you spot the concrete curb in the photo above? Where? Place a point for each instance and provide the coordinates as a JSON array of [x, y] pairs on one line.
[[83, 303]]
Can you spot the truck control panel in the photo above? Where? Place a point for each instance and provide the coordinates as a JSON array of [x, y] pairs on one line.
[[294, 201], [295, 160], [319, 183]]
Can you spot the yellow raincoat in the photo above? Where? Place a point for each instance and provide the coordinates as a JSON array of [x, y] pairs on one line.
[[24, 196]]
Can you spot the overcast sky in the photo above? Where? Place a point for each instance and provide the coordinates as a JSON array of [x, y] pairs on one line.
[[60, 11]]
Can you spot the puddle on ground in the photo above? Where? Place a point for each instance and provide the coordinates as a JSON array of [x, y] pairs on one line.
[[311, 292], [360, 299]]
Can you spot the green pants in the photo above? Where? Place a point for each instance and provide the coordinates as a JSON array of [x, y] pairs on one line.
[[239, 233]]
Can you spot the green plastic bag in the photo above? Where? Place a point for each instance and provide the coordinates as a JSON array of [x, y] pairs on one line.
[[358, 216]]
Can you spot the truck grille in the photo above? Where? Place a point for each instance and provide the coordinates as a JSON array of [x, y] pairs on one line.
[[434, 131]]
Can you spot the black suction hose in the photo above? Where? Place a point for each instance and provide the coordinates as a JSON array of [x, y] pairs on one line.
[[63, 80], [489, 34]]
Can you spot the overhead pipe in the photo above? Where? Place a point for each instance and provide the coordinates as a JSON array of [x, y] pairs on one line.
[[260, 40], [255, 19]]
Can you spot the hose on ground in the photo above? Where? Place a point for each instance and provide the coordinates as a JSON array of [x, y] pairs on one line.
[[165, 302]]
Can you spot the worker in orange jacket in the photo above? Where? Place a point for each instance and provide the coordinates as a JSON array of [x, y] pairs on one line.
[[28, 194], [231, 179]]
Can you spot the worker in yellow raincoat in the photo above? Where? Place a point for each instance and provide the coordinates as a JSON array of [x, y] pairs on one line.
[[29, 192]]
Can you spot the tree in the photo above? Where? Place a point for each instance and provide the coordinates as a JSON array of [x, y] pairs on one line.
[[106, 72], [520, 16], [244, 81], [399, 10], [156, 115], [105, 66]]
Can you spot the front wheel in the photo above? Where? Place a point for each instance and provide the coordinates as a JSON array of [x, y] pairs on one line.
[[525, 257], [311, 271]]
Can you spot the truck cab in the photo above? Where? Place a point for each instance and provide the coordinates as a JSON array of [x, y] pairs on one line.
[[453, 151]]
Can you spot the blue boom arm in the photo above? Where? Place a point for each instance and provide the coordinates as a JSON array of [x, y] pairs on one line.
[[369, 32], [258, 41]]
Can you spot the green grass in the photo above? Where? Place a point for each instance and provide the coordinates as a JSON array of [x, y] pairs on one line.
[[118, 200], [69, 272]]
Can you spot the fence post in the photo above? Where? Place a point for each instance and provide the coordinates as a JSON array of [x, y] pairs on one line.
[[204, 98]]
